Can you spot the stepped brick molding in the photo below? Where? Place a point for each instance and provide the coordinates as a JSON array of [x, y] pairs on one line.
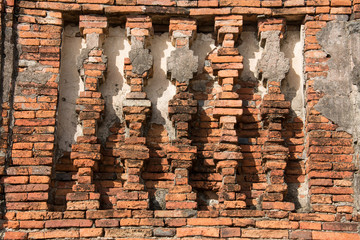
[[179, 119]]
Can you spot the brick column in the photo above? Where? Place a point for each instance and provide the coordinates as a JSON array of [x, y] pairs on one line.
[[227, 66], [181, 65], [272, 68], [32, 109], [90, 105], [137, 109]]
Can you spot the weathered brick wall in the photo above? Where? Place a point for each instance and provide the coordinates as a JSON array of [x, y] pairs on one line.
[[234, 168]]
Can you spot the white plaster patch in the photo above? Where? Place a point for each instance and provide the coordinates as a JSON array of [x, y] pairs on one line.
[[251, 51], [114, 89], [292, 46], [293, 88], [293, 84], [159, 89], [202, 46], [70, 85]]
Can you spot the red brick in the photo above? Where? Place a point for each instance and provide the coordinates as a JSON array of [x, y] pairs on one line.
[[335, 235], [68, 223], [91, 232], [208, 3], [337, 3], [66, 233], [26, 206], [351, 227], [107, 223], [243, 3], [15, 235], [124, 9], [293, 3], [209, 11], [197, 231], [32, 224], [301, 235], [311, 217], [209, 221], [230, 232], [277, 224], [278, 205], [101, 168], [310, 225], [257, 233]]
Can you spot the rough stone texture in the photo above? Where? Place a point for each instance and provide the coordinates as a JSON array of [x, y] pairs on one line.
[[182, 64], [273, 64], [339, 41], [140, 58], [7, 63]]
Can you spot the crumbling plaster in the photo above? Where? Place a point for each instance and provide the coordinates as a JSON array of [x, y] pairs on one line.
[[292, 46], [339, 40], [159, 88], [70, 86], [340, 103]]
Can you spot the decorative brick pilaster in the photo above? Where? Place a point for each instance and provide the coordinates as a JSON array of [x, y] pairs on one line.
[[90, 106], [227, 66], [137, 109], [182, 64], [272, 68]]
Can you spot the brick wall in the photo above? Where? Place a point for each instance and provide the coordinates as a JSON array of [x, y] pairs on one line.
[[231, 169]]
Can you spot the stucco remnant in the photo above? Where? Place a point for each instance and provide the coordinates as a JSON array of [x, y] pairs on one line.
[[159, 89], [273, 65], [140, 57], [182, 64], [339, 104]]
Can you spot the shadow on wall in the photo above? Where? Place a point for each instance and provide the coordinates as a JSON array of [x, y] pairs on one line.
[[202, 86], [159, 89], [114, 88], [68, 127], [293, 88], [250, 50], [250, 176], [293, 84]]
